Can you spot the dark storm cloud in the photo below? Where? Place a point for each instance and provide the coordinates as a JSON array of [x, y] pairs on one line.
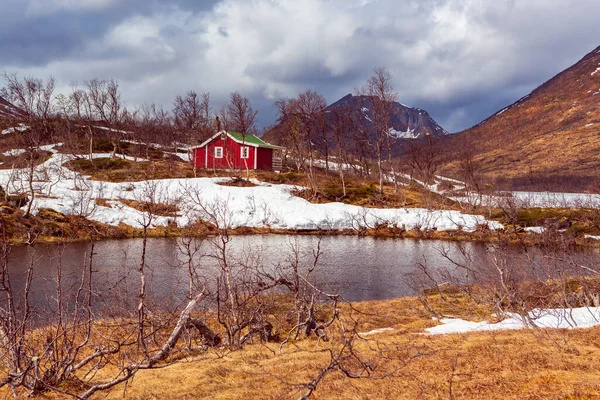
[[35, 33], [28, 41], [461, 60]]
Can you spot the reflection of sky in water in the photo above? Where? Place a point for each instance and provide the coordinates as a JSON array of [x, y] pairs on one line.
[[359, 268]]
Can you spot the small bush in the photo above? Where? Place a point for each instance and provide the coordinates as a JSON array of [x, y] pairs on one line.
[[100, 145], [353, 194], [285, 177], [17, 200], [580, 228], [85, 165], [48, 213]]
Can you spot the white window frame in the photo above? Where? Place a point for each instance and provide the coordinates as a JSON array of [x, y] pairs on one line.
[[245, 149], [218, 151]]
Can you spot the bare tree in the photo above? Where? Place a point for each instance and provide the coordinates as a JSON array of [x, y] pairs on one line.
[[341, 125], [381, 93], [103, 98], [471, 173], [83, 114], [35, 97], [304, 125], [152, 126], [423, 158], [32, 95], [192, 115], [239, 115], [289, 133]]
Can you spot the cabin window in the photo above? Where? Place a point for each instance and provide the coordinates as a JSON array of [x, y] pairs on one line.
[[218, 152], [245, 152]]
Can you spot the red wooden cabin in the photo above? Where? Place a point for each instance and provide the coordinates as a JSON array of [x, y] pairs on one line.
[[232, 150]]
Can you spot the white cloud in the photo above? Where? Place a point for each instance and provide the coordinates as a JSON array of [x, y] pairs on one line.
[[447, 53]]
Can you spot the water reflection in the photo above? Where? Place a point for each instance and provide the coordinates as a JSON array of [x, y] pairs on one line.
[[359, 268]]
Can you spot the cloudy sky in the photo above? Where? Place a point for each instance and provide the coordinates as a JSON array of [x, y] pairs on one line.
[[461, 60]]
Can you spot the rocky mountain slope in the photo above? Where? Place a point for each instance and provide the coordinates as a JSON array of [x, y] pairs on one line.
[[406, 122], [547, 140]]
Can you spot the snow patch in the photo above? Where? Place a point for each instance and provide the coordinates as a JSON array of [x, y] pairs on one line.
[[20, 128], [409, 134], [105, 128], [534, 199], [14, 152], [535, 229], [502, 111], [444, 178], [183, 156], [568, 318]]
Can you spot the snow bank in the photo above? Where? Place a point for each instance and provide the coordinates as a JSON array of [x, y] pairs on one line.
[[569, 318], [183, 156], [520, 199], [409, 134], [262, 206]]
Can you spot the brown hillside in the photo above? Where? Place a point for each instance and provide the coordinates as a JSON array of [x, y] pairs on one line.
[[548, 140]]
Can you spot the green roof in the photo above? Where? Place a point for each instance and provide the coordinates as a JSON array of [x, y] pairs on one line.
[[251, 139]]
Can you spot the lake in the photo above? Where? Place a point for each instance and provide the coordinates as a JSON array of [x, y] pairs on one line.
[[358, 268]]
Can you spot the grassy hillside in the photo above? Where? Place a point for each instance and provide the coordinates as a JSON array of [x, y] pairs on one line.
[[547, 140]]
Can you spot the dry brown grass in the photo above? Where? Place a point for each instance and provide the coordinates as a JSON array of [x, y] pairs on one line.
[[360, 191], [527, 364], [120, 170], [164, 210], [236, 181], [499, 365]]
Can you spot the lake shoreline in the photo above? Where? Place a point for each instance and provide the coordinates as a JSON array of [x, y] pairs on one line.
[[480, 235]]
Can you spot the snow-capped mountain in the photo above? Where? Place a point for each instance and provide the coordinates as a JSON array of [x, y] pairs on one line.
[[405, 122]]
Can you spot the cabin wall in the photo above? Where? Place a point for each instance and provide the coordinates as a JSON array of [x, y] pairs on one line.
[[232, 157], [198, 157]]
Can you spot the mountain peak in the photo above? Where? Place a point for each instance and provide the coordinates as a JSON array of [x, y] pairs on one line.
[[405, 122]]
